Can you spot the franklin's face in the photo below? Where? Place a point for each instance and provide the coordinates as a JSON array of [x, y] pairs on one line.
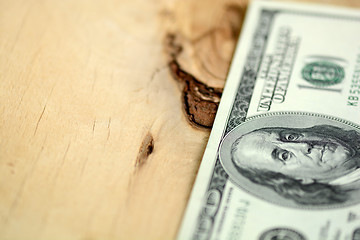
[[294, 152]]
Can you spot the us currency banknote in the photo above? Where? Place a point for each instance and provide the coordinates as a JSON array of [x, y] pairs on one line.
[[283, 158]]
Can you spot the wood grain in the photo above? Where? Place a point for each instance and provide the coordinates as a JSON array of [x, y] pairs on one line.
[[94, 140]]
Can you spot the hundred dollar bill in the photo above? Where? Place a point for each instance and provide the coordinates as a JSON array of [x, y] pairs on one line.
[[283, 158]]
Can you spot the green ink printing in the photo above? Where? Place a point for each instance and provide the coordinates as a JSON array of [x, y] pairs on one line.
[[323, 74]]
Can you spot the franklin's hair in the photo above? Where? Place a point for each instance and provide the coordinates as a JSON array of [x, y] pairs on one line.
[[315, 193]]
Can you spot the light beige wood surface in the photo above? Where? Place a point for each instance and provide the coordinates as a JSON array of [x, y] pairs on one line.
[[94, 141]]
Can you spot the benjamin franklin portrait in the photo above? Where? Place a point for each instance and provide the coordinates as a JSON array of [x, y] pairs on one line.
[[317, 165]]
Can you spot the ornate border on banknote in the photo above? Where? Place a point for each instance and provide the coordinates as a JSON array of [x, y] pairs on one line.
[[211, 204], [236, 117]]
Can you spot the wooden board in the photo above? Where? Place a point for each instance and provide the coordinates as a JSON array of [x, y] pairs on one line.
[[102, 124]]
